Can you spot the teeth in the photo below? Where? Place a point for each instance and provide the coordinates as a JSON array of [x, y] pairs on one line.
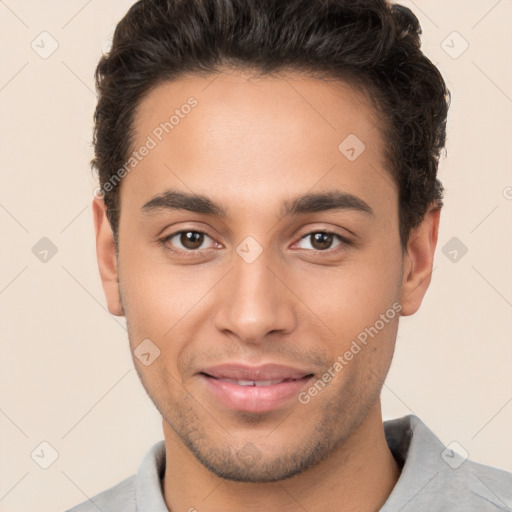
[[245, 382], [255, 383], [265, 383]]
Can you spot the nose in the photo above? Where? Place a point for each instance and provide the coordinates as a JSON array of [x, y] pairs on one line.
[[256, 300]]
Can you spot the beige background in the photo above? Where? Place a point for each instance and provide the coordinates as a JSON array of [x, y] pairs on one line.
[[66, 374]]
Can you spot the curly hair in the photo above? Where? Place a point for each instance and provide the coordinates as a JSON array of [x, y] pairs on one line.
[[370, 43]]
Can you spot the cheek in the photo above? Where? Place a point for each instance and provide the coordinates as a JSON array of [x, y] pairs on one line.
[[352, 296], [162, 302], [149, 298]]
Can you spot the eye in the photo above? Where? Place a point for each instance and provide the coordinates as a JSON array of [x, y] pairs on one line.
[[323, 240], [186, 241], [190, 241]]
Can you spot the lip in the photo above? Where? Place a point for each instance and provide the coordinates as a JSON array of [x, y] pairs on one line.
[[261, 396]]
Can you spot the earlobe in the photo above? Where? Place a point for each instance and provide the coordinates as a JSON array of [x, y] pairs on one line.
[[418, 262], [106, 255]]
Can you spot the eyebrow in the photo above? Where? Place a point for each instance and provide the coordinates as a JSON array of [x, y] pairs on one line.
[[307, 203]]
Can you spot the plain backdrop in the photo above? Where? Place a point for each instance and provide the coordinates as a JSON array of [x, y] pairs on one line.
[[66, 374]]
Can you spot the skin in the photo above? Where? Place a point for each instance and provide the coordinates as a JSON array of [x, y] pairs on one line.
[[250, 144]]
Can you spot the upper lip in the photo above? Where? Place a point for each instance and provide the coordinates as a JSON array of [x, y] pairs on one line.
[[265, 372]]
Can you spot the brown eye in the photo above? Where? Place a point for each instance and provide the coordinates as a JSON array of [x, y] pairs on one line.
[[191, 239], [187, 241], [322, 240]]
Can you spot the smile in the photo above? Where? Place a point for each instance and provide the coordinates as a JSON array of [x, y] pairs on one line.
[[254, 389]]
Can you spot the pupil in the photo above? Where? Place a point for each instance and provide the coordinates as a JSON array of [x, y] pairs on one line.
[[191, 239], [322, 240]]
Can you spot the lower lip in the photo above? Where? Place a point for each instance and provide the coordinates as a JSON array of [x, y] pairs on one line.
[[254, 398]]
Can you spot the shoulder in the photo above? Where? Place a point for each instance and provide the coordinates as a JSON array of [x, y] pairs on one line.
[[437, 478], [142, 491], [118, 497], [485, 485]]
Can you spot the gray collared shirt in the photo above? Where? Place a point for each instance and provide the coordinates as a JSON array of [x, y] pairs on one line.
[[434, 478]]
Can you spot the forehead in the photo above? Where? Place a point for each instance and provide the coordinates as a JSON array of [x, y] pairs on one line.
[[245, 137], [259, 105]]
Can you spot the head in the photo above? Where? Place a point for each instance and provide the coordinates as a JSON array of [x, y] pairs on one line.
[[269, 195]]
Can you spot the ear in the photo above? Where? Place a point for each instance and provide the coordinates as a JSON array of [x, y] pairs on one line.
[[106, 255], [418, 262]]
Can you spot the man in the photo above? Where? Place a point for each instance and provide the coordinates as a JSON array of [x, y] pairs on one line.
[[268, 208]]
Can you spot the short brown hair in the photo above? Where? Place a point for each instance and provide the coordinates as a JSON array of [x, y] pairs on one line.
[[371, 43]]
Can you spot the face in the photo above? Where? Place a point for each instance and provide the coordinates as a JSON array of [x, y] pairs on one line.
[[271, 300]]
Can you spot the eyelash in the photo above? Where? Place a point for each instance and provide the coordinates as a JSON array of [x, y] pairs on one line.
[[344, 242]]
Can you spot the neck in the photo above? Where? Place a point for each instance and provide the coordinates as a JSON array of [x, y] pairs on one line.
[[358, 476]]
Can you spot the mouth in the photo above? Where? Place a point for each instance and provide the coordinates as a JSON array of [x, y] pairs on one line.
[[271, 382], [254, 389]]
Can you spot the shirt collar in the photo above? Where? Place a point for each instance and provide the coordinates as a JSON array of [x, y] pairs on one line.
[[149, 483], [413, 445]]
